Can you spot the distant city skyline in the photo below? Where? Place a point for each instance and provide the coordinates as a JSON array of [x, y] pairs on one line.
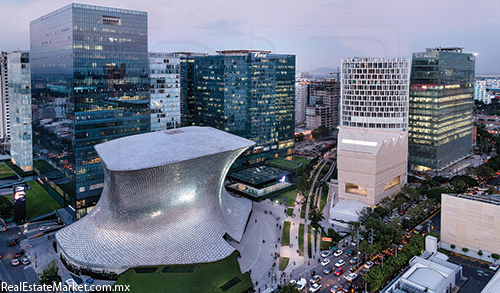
[[320, 34]]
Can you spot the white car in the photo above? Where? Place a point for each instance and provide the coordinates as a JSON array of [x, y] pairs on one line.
[[354, 243], [15, 262], [338, 253], [25, 261], [44, 228], [351, 277], [325, 254], [325, 262], [494, 266], [315, 287], [315, 279], [368, 265], [340, 263]]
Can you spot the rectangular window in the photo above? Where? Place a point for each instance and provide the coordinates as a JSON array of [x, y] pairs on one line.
[[111, 20], [356, 189]]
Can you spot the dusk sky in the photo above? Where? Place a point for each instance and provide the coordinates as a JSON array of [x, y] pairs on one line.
[[319, 32]]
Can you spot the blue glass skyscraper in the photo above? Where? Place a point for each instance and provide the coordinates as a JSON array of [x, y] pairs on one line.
[[90, 85], [247, 93]]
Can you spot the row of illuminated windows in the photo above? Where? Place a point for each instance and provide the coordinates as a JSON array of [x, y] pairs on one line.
[[374, 125], [361, 87], [367, 64]]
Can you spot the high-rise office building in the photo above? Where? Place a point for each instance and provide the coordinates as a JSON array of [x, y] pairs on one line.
[[301, 90], [481, 92], [4, 98], [89, 84], [248, 93], [19, 72], [441, 100], [373, 137], [326, 95], [165, 91]]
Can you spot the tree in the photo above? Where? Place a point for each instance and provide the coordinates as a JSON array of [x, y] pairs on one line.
[[300, 137], [315, 217], [321, 131], [289, 288], [334, 235], [50, 274], [364, 214]]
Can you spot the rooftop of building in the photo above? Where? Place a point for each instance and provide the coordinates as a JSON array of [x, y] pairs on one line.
[[259, 176], [445, 49], [159, 148], [486, 198], [237, 52]]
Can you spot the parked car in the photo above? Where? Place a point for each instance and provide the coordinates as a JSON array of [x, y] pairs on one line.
[[335, 288], [328, 270], [350, 253], [44, 228], [25, 261], [19, 254], [338, 271], [369, 264], [338, 253], [354, 243], [325, 254], [315, 279], [354, 260], [494, 266], [14, 242], [315, 287], [15, 262], [351, 277], [402, 213], [301, 284], [325, 262], [340, 263]]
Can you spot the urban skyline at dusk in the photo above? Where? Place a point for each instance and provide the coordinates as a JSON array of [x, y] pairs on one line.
[[320, 34]]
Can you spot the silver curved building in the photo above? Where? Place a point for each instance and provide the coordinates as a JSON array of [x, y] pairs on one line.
[[163, 202]]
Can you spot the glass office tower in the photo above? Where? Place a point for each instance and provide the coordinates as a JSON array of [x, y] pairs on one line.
[[247, 93], [21, 149], [90, 85], [441, 100]]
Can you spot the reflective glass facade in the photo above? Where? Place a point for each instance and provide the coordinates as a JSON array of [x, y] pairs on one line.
[[90, 85], [441, 100], [21, 149], [247, 93]]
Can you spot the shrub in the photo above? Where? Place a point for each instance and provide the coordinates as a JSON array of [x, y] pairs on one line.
[[495, 256], [453, 246], [465, 249], [480, 252]]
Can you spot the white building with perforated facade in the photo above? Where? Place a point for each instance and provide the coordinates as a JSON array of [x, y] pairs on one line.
[[373, 138]]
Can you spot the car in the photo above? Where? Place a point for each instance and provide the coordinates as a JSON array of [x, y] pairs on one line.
[[338, 271], [350, 253], [354, 243], [325, 262], [315, 279], [494, 266], [335, 288], [402, 213], [391, 218], [328, 270], [293, 282], [347, 287], [354, 260], [413, 205], [301, 284], [338, 253], [14, 242], [351, 277], [400, 246], [325, 254], [44, 228], [426, 210], [19, 254], [340, 263], [369, 264], [315, 287], [15, 262], [25, 261]]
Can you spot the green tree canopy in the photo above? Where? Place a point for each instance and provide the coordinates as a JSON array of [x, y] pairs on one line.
[[50, 274]]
